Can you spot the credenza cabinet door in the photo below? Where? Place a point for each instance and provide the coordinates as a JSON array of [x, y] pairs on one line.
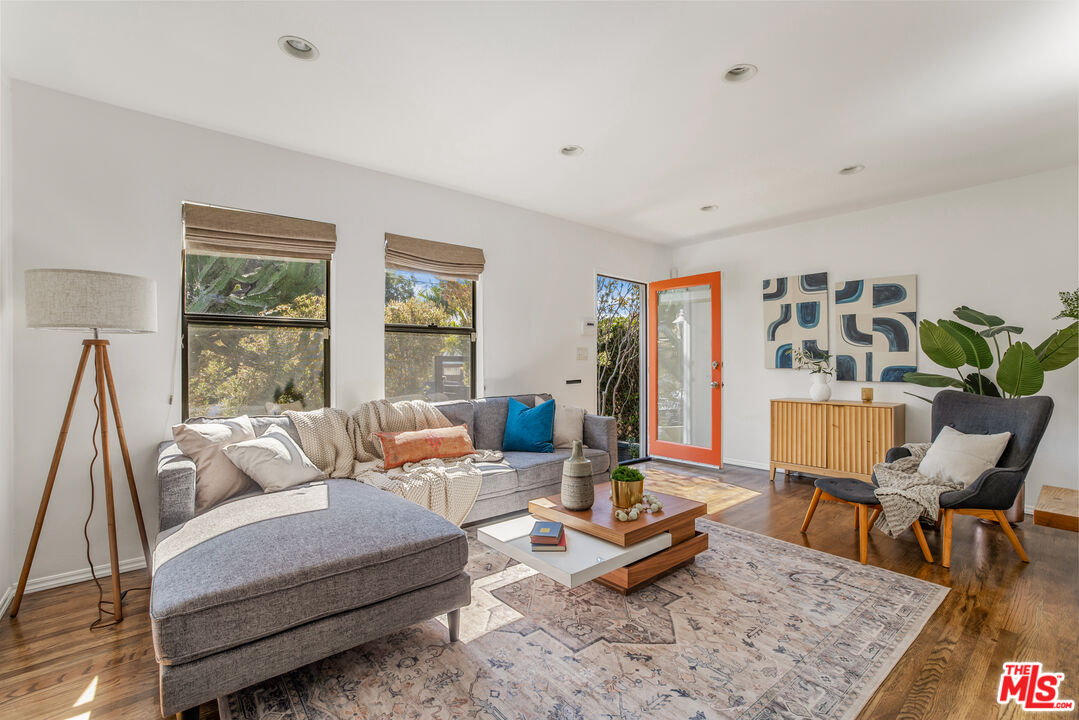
[[858, 437], [800, 433]]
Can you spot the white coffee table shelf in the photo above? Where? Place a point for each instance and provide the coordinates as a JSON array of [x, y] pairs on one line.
[[586, 557]]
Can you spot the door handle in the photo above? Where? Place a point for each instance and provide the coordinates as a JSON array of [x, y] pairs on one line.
[[715, 384]]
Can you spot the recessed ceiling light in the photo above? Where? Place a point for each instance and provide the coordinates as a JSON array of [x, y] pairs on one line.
[[297, 47], [852, 170], [709, 208], [571, 150], [740, 72]]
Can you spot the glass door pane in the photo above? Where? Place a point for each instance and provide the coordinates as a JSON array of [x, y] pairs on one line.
[[685, 365]]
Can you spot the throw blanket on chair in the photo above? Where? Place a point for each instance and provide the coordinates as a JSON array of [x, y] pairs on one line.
[[905, 493], [344, 445]]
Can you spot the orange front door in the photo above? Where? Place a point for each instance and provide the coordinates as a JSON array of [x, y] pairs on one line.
[[684, 369]]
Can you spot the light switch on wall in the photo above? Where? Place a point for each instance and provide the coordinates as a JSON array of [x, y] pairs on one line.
[[582, 353]]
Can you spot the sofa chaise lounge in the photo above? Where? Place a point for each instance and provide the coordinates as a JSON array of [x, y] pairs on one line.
[[264, 583]]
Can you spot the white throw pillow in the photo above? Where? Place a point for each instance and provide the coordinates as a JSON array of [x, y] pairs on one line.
[[568, 424], [216, 478], [273, 460], [960, 457]]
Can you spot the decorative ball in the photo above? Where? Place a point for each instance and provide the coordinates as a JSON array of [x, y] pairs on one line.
[[654, 508], [633, 515], [658, 506], [621, 516]]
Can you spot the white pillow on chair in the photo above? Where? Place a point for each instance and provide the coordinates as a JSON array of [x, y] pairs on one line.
[[960, 457]]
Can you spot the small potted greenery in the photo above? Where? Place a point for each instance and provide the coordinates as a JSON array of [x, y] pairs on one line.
[[627, 486], [818, 363]]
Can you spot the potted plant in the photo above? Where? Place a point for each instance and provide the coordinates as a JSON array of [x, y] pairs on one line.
[[818, 362], [1020, 368], [627, 486]]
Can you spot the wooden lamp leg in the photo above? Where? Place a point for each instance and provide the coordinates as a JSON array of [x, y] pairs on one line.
[[127, 460], [61, 440], [103, 416]]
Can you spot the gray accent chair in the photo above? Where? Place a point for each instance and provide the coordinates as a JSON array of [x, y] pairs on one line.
[[996, 489], [264, 583]]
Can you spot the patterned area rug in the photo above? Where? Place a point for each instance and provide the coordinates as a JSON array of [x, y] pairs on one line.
[[757, 628]]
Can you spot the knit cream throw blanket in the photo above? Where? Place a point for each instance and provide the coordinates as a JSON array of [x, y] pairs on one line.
[[343, 445]]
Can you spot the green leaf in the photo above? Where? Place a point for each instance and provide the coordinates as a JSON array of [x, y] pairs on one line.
[[1013, 329], [970, 315], [1059, 349], [931, 380], [940, 346], [978, 384], [1020, 373], [918, 396], [974, 345]]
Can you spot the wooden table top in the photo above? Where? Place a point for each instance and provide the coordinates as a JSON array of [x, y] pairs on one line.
[[599, 520]]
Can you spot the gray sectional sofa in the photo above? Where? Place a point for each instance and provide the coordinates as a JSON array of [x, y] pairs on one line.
[[264, 583]]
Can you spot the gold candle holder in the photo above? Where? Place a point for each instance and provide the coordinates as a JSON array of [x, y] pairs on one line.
[[867, 395]]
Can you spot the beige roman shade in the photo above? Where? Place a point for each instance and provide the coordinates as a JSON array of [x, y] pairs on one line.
[[222, 230], [442, 259]]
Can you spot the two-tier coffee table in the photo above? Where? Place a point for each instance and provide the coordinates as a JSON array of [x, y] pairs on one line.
[[621, 555]]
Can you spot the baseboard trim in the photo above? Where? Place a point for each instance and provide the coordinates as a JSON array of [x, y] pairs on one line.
[[75, 576], [745, 463], [6, 598]]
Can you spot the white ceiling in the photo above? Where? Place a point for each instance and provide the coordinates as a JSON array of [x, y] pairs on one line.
[[481, 96]]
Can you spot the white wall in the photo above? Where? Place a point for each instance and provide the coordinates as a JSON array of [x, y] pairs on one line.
[[1005, 248], [100, 187], [7, 517]]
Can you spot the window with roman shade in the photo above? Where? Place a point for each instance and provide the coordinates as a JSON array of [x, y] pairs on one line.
[[430, 316], [256, 322]]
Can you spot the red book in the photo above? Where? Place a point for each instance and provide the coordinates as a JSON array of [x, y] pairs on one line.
[[546, 533], [560, 546]]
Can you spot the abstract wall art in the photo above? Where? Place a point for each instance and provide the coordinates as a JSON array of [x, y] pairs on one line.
[[795, 315], [877, 329]]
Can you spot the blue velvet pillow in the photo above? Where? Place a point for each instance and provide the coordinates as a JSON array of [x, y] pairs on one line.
[[529, 429]]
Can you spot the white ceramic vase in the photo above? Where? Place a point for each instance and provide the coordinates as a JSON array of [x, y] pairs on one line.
[[820, 390]]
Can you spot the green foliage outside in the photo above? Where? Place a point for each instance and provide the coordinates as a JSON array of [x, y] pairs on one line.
[[239, 369], [427, 301], [618, 355]]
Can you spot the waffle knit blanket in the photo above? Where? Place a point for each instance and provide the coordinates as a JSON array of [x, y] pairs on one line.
[[343, 445], [905, 493]]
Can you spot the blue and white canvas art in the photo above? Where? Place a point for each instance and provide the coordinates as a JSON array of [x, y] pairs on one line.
[[877, 329], [795, 315]]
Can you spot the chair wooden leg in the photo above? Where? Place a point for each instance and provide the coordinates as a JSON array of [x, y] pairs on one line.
[[812, 508], [999, 514], [857, 517], [863, 533], [946, 539], [917, 527], [873, 517]]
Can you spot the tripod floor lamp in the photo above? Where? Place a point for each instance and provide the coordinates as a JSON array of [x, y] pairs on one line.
[[99, 302]]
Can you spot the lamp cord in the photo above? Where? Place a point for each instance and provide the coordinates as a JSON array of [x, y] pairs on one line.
[[101, 601]]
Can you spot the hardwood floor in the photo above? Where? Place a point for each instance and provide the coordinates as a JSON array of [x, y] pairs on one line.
[[999, 610]]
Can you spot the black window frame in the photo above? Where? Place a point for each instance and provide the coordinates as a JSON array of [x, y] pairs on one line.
[[219, 320], [433, 329]]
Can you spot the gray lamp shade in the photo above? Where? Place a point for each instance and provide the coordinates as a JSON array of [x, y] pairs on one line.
[[88, 299]]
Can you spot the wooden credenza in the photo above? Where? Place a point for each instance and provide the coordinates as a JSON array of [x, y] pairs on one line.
[[836, 438]]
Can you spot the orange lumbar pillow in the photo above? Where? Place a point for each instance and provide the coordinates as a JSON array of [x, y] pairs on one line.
[[413, 446]]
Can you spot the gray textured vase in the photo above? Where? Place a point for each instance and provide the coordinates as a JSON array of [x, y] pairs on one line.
[[577, 490]]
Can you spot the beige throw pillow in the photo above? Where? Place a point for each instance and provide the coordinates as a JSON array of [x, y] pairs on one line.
[[216, 478], [961, 457], [273, 460], [568, 424]]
